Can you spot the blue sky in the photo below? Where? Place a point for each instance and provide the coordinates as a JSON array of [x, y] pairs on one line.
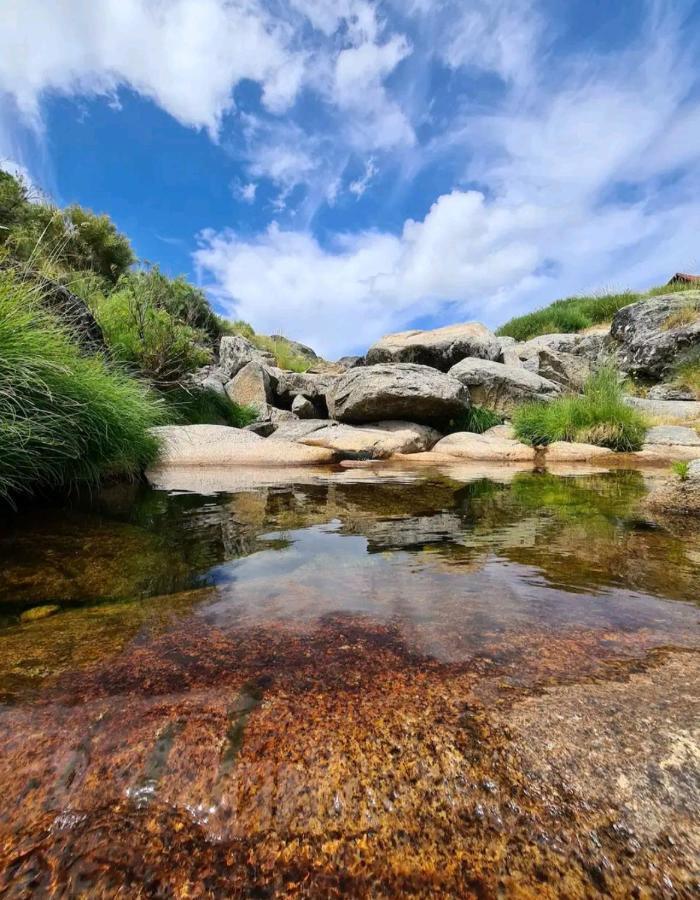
[[337, 169]]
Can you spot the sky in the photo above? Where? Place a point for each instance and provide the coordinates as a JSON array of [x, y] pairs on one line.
[[334, 170]]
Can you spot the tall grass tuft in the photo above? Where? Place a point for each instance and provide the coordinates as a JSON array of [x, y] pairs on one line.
[[598, 416], [476, 419], [203, 406], [65, 419]]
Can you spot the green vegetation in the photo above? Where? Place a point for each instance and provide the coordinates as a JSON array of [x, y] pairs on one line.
[[285, 357], [687, 375], [188, 406], [681, 469], [70, 415], [65, 419], [477, 419], [578, 313], [598, 416]]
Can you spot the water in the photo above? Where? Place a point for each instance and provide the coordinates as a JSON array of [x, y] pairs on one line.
[[376, 685]]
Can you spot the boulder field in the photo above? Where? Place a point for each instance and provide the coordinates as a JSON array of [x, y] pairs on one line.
[[413, 389]]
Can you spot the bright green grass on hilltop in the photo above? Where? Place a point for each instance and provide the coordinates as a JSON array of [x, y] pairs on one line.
[[578, 313], [598, 416]]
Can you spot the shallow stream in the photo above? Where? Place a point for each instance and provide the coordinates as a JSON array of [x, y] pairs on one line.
[[363, 684]]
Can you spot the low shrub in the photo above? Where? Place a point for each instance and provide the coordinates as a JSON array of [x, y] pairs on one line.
[[149, 337], [285, 357], [65, 419], [598, 416], [203, 406], [477, 419]]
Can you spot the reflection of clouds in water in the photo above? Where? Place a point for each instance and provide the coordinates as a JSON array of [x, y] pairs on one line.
[[450, 612]]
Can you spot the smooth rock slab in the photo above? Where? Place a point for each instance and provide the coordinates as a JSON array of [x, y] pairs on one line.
[[667, 409], [466, 445], [439, 348], [673, 435], [499, 387], [570, 451], [219, 445], [374, 441], [401, 392]]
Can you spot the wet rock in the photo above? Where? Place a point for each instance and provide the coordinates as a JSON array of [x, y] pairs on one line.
[[303, 408], [656, 334], [674, 497], [440, 348], [219, 445], [494, 447], [673, 435], [251, 387], [374, 441], [401, 392], [501, 388]]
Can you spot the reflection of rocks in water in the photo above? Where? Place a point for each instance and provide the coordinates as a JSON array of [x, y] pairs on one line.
[[416, 532]]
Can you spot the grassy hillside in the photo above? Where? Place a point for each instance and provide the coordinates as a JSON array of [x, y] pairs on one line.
[[577, 313]]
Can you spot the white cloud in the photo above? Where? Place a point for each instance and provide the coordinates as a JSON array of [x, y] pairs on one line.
[[360, 185], [186, 55], [245, 192], [553, 220]]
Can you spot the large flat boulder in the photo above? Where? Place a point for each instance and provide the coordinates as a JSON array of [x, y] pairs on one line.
[[493, 447], [499, 387], [594, 348], [403, 391], [373, 441], [656, 334], [666, 409], [673, 436], [219, 445], [296, 429], [571, 451], [440, 348]]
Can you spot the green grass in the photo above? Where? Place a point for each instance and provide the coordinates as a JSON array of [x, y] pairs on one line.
[[206, 407], [578, 313], [285, 357], [477, 419], [681, 469], [65, 419], [598, 416]]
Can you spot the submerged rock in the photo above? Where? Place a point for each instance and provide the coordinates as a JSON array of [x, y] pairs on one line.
[[440, 348], [39, 612], [397, 392], [501, 388]]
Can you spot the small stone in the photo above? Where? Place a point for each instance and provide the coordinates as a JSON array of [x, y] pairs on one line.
[[39, 612]]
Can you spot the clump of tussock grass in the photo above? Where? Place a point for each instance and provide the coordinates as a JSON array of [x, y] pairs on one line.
[[477, 419], [203, 406], [66, 419], [598, 416]]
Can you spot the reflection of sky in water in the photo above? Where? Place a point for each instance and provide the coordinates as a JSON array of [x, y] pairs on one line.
[[446, 611]]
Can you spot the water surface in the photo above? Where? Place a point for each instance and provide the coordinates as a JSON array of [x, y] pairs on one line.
[[336, 686]]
